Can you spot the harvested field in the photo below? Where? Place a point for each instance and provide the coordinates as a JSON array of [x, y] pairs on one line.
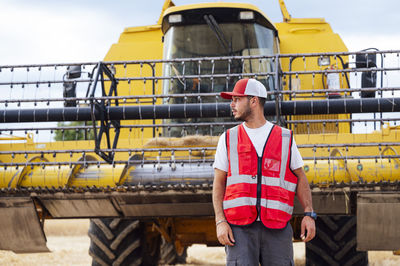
[[68, 241]]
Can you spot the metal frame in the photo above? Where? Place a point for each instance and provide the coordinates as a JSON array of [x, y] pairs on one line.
[[110, 108], [99, 112]]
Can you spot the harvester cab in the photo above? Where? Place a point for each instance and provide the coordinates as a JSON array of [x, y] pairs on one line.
[[207, 31], [216, 31]]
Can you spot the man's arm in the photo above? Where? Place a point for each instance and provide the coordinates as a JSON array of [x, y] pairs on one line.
[[224, 231], [304, 196]]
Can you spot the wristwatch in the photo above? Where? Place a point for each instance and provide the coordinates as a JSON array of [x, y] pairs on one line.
[[312, 214]]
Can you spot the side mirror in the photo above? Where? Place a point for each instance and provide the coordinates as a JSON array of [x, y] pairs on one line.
[[69, 87], [74, 72], [368, 78], [69, 91]]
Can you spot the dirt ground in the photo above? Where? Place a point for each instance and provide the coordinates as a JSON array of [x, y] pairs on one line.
[[69, 244]]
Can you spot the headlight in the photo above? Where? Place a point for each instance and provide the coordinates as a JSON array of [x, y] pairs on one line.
[[246, 15], [176, 18]]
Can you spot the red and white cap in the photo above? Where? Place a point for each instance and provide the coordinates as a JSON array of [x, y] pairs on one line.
[[246, 87]]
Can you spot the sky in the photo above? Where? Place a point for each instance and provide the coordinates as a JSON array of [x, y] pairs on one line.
[[46, 31]]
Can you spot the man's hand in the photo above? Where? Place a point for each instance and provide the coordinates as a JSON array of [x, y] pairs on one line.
[[225, 234], [304, 196], [307, 225]]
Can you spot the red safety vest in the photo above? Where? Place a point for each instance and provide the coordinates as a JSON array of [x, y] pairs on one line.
[[259, 185]]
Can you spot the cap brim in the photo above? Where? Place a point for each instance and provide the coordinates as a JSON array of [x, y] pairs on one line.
[[228, 95]]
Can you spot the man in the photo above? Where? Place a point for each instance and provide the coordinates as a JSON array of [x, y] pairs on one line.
[[258, 170]]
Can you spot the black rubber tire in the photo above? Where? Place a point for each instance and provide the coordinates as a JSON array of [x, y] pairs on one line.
[[335, 243], [121, 242], [168, 254]]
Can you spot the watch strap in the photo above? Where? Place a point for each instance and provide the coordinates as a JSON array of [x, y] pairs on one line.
[[311, 214]]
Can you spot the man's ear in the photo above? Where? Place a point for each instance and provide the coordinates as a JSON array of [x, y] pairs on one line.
[[254, 100]]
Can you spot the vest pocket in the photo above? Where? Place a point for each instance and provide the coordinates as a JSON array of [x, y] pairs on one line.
[[277, 193], [240, 215], [271, 167], [239, 190], [246, 158], [275, 206], [243, 148]]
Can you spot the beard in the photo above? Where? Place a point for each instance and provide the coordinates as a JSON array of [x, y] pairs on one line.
[[246, 113]]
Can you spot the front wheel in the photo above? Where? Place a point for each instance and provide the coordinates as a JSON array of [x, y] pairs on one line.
[[335, 243], [122, 242]]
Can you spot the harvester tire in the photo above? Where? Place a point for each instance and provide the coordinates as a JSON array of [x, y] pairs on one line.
[[335, 243], [121, 242], [168, 254]]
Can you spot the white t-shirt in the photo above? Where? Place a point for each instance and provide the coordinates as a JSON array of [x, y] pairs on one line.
[[258, 137]]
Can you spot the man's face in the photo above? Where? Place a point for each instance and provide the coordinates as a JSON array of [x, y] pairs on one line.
[[240, 107]]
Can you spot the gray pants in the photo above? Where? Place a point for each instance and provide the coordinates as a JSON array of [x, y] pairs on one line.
[[255, 244]]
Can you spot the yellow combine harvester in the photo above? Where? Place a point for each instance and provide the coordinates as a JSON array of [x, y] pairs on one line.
[[138, 157]]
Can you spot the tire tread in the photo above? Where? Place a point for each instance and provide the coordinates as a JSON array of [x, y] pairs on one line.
[[119, 242], [335, 243]]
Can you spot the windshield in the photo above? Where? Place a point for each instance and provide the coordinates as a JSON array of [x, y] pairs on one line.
[[210, 40]]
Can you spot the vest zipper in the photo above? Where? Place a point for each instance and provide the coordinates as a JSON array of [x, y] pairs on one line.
[[259, 175]]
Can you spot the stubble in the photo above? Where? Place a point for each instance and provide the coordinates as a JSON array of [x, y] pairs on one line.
[[246, 113]]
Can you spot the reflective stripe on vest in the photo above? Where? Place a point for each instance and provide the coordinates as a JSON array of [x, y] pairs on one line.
[[247, 201], [237, 178], [266, 180], [233, 153]]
